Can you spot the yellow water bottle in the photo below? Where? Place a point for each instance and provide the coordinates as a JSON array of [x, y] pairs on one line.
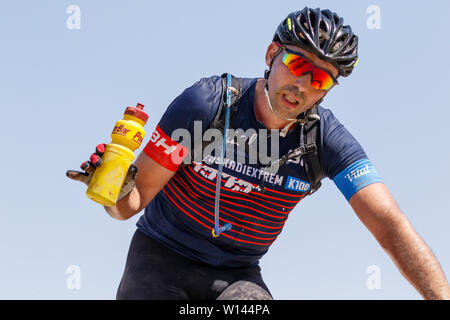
[[126, 136]]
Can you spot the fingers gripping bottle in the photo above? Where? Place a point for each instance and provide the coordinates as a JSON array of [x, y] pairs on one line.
[[126, 136]]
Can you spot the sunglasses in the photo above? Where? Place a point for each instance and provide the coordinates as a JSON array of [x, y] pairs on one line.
[[298, 65]]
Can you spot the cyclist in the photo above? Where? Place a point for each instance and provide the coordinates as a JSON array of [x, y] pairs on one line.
[[173, 253]]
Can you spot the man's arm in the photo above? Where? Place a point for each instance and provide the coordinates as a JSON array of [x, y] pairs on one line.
[[376, 208], [151, 177]]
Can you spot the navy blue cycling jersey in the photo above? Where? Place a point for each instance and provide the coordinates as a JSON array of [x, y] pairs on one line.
[[181, 215]]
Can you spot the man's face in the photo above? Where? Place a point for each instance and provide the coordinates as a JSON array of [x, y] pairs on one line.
[[292, 95]]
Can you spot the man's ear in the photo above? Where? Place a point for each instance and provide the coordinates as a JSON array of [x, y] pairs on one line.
[[270, 53]]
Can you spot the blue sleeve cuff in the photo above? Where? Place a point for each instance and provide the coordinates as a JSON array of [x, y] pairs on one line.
[[355, 177]]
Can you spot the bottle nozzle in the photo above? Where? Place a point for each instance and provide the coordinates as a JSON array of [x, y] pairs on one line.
[[137, 112]]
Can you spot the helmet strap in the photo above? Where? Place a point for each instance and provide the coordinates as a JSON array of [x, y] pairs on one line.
[[267, 72]]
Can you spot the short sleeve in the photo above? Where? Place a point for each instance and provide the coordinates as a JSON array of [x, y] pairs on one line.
[[197, 103], [344, 159]]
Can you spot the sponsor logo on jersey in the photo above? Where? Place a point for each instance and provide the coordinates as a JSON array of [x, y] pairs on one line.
[[247, 170], [295, 184], [355, 174], [231, 182], [164, 143]]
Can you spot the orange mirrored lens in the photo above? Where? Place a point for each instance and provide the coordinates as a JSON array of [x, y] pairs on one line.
[[298, 66]]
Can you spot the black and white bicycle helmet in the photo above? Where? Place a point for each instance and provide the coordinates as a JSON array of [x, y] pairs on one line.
[[323, 33]]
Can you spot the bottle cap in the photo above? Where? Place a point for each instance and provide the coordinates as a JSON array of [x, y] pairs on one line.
[[137, 112]]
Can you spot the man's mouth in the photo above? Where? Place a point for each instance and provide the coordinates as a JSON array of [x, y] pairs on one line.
[[289, 100]]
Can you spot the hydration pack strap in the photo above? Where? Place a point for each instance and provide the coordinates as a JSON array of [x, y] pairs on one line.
[[236, 88], [310, 146], [309, 139], [232, 95], [219, 119], [308, 151]]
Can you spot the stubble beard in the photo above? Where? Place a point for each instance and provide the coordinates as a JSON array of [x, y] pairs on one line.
[[284, 112]]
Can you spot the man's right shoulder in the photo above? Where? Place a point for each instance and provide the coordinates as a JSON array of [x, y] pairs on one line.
[[205, 87], [198, 102], [203, 95]]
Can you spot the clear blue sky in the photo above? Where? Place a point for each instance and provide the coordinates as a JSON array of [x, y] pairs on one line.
[[62, 90]]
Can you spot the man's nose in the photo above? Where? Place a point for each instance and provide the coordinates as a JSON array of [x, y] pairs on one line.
[[303, 82]]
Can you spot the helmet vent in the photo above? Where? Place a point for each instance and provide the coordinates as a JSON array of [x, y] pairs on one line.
[[352, 40], [337, 46], [303, 22], [336, 19], [312, 18], [323, 36], [323, 27]]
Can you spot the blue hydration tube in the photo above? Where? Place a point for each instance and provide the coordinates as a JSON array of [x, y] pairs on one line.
[[227, 226]]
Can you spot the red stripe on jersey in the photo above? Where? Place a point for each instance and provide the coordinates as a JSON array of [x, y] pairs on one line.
[[300, 197], [165, 151], [264, 195], [175, 203], [209, 204], [236, 204], [224, 234], [232, 216], [249, 195]]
